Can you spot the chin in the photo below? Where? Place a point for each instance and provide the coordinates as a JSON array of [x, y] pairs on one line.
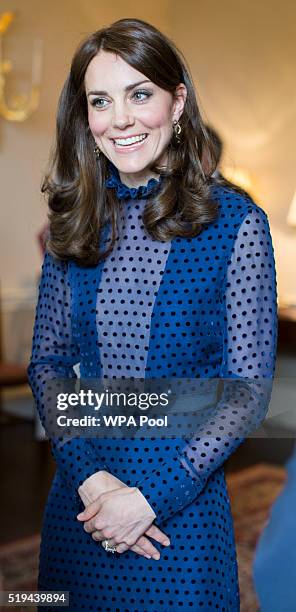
[[131, 167]]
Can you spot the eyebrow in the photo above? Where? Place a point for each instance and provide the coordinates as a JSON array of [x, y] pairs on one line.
[[127, 88]]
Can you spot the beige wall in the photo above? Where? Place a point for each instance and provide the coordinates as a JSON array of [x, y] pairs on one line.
[[24, 147], [242, 54], [243, 59]]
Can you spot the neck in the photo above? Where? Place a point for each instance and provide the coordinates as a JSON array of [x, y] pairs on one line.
[[138, 178]]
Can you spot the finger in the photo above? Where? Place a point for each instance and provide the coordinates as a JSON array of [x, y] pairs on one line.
[[89, 527], [130, 534], [142, 546], [158, 535], [90, 511], [140, 551], [147, 547], [122, 547], [98, 536], [102, 539], [92, 525]]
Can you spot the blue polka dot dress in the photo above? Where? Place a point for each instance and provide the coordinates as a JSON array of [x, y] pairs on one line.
[[202, 307]]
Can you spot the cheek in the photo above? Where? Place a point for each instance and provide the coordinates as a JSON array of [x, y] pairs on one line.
[[159, 117], [97, 123]]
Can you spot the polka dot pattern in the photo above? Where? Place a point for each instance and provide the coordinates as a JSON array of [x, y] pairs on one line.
[[199, 307], [54, 354], [129, 284]]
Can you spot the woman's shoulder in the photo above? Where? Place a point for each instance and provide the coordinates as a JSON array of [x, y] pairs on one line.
[[234, 203], [52, 265]]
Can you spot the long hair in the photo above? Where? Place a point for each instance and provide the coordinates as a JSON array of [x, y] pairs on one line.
[[79, 202]]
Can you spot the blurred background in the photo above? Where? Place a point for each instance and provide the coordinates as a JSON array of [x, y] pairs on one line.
[[242, 55]]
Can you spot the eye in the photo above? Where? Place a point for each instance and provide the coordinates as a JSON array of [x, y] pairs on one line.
[[141, 92], [96, 102]]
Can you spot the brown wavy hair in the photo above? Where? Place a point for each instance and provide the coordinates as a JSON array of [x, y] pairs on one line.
[[79, 202]]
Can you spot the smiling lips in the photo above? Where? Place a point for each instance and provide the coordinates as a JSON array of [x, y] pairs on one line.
[[130, 142]]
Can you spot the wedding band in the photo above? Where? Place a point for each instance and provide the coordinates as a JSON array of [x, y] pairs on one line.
[[108, 548]]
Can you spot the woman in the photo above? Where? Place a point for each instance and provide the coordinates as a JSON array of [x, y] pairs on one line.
[[153, 270]]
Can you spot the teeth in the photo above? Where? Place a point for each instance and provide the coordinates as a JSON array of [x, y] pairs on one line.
[[129, 141]]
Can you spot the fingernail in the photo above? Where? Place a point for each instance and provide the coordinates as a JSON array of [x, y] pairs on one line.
[[148, 556], [156, 556], [79, 515], [166, 543]]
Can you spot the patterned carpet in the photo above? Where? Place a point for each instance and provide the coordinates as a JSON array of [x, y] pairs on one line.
[[252, 492]]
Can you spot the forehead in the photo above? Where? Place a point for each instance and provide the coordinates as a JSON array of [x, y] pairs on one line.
[[109, 71]]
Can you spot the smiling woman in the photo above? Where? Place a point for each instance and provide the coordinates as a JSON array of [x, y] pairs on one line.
[[154, 270], [127, 81], [126, 120]]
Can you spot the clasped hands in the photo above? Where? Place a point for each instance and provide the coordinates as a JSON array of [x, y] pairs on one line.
[[120, 514]]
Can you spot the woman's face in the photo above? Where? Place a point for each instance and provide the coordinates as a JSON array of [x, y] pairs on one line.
[[129, 116]]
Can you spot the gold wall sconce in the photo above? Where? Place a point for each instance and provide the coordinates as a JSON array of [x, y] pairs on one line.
[[22, 106]]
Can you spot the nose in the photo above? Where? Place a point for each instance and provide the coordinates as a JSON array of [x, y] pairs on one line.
[[122, 116]]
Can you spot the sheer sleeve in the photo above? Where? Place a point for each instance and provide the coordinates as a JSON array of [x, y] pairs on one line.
[[54, 353], [247, 367]]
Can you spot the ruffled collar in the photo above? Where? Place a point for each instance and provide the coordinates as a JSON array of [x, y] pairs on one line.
[[125, 192]]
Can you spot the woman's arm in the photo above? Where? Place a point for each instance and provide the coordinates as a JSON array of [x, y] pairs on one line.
[[54, 353], [250, 336]]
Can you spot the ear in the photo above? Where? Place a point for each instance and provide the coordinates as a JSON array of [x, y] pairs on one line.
[[179, 101]]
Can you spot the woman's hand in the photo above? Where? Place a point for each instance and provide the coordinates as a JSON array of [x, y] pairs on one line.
[[122, 516], [102, 482], [98, 483]]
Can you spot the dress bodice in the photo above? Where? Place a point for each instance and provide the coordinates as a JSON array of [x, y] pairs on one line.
[[201, 307], [129, 283]]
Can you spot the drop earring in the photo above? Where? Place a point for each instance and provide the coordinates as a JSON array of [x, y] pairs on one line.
[[97, 151], [177, 130]]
